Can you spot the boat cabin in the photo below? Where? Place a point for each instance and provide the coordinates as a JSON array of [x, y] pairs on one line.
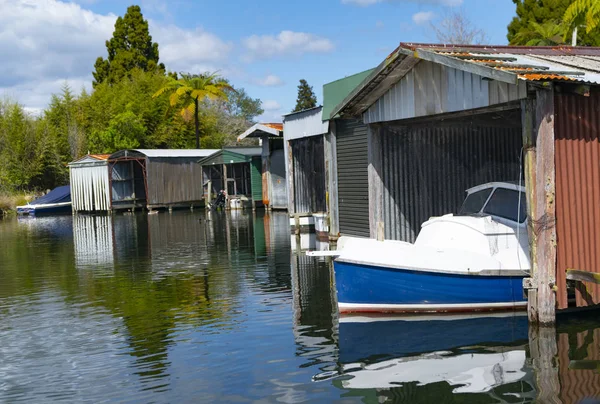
[[503, 201]]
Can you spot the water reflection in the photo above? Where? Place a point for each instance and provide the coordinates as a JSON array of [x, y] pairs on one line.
[[226, 307]]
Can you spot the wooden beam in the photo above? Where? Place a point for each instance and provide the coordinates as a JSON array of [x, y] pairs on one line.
[[544, 222], [290, 176], [543, 351], [375, 181], [529, 166], [583, 276], [470, 67], [332, 181]]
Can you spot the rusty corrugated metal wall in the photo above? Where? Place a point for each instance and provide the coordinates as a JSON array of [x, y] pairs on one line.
[[309, 174], [426, 169], [577, 384], [577, 156], [174, 180]]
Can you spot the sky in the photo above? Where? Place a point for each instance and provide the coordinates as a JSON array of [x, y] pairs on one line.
[[264, 46]]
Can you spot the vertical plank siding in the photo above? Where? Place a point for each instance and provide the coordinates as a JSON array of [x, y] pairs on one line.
[[427, 169], [309, 174], [577, 148], [174, 180]]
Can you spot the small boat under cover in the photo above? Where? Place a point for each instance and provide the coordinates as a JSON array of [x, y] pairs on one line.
[[57, 201], [475, 261]]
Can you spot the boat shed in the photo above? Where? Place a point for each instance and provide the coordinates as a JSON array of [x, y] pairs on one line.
[[304, 141], [238, 170], [157, 178], [441, 119], [90, 185], [346, 159], [274, 188]]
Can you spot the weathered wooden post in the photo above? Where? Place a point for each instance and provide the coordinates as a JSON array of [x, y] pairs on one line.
[[332, 190], [544, 219], [375, 181], [529, 167], [543, 350]]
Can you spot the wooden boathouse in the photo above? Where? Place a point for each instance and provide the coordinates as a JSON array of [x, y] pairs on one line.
[[238, 171], [138, 179], [440, 119], [304, 142], [274, 187]]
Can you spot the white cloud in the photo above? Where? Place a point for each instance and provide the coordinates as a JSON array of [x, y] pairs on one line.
[[423, 17], [48, 42], [194, 51], [286, 42], [271, 105], [270, 80], [365, 3]]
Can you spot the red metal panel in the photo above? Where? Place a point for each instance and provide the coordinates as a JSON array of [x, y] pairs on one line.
[[577, 149]]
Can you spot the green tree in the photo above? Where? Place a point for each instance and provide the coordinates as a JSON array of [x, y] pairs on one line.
[[190, 91], [306, 97], [546, 34], [130, 47], [582, 13], [125, 131], [522, 29]]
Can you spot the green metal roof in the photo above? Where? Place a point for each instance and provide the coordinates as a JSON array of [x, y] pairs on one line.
[[336, 91], [226, 156]]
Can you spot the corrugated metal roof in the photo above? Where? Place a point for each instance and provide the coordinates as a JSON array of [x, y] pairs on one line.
[[156, 153], [246, 151], [260, 129], [277, 126], [528, 63], [90, 159], [336, 91], [508, 64]]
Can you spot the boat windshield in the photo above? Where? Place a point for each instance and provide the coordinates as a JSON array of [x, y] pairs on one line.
[[505, 203], [475, 201]]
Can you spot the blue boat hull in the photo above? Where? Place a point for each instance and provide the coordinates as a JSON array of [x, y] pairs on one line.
[[46, 210], [365, 288]]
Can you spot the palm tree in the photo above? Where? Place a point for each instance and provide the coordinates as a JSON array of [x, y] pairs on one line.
[[190, 90], [582, 12], [549, 33]]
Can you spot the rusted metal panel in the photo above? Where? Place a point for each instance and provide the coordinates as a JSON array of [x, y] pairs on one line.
[[309, 174], [426, 169], [578, 356], [577, 148]]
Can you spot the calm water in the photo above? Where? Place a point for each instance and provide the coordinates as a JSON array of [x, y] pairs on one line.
[[180, 308]]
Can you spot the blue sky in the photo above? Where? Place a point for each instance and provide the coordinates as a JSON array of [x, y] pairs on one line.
[[265, 46]]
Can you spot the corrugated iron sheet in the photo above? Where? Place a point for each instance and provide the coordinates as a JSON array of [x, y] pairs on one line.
[[577, 154], [174, 181], [578, 384], [427, 169], [304, 124], [431, 88]]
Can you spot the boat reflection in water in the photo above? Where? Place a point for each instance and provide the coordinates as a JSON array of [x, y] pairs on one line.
[[412, 356]]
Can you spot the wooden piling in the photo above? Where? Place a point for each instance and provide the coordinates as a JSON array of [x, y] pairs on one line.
[[543, 351], [544, 222], [529, 167]]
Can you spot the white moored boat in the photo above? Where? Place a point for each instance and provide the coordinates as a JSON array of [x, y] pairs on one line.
[[473, 261]]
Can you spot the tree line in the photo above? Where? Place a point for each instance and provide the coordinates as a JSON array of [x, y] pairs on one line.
[[135, 103]]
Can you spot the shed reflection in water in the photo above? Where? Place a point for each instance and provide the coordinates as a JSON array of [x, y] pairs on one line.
[[220, 306]]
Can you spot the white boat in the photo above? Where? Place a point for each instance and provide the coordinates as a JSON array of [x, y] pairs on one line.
[[473, 261]]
